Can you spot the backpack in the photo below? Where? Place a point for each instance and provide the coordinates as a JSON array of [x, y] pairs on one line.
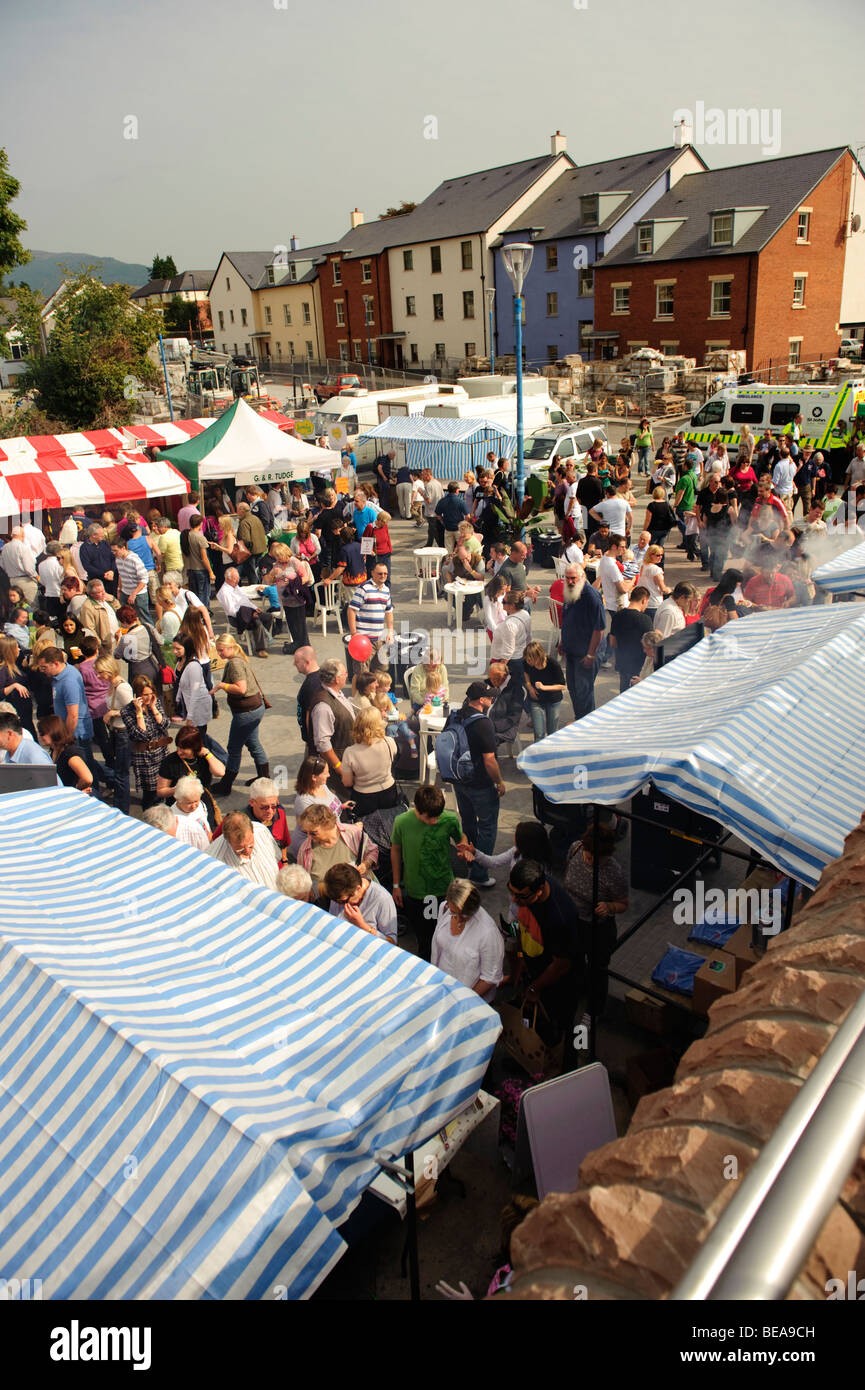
[[184, 543], [454, 761]]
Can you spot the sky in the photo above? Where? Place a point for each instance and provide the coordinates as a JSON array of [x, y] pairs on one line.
[[189, 129]]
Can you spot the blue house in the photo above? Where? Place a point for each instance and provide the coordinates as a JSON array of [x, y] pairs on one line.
[[576, 221]]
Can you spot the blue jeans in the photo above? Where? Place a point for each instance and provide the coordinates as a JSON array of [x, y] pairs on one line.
[[142, 607], [581, 684], [479, 813], [199, 583], [545, 718], [643, 452], [243, 733], [216, 748], [121, 769]]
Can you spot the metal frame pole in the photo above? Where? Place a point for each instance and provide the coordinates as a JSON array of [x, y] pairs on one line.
[[518, 342], [165, 374]]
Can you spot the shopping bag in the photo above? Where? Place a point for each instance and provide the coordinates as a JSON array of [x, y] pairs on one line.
[[523, 1041]]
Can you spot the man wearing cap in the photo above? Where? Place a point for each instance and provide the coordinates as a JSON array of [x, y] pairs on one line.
[[805, 477], [478, 797]]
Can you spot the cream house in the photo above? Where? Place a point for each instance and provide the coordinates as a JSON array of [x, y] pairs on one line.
[[232, 300], [268, 304], [442, 265]]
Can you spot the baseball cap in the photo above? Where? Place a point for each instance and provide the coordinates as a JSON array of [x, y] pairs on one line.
[[477, 689]]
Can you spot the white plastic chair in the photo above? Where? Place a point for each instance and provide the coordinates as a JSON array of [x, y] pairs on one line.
[[561, 565], [427, 570], [327, 603], [555, 635], [409, 672]]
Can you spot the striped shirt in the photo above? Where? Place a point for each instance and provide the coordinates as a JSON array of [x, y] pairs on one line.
[[130, 572], [370, 604]]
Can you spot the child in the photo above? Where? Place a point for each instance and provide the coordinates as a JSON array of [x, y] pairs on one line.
[[631, 567], [383, 547], [383, 697], [17, 629], [192, 826]]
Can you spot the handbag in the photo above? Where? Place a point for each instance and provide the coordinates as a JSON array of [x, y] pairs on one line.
[[523, 1039], [240, 552]]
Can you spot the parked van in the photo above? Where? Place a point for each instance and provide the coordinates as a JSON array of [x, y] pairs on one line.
[[826, 410], [538, 406], [553, 444], [358, 410]]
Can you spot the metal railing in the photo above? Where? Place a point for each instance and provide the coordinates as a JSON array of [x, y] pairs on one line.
[[765, 1235]]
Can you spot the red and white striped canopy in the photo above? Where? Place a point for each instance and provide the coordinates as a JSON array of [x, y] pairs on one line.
[[164, 435], [277, 418], [43, 472]]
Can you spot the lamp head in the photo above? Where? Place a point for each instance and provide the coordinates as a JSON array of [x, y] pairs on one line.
[[517, 257]]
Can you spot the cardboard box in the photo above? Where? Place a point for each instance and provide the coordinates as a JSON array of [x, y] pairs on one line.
[[646, 1012], [740, 948], [713, 980]]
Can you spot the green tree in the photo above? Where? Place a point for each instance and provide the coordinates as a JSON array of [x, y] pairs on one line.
[[12, 253], [163, 268], [97, 357], [401, 211], [27, 316], [181, 316]]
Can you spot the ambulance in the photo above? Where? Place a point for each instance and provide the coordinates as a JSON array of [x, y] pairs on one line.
[[829, 413]]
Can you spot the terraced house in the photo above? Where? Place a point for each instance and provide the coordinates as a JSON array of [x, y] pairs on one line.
[[267, 304]]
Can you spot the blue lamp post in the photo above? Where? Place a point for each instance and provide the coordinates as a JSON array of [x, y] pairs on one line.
[[491, 294], [517, 258]]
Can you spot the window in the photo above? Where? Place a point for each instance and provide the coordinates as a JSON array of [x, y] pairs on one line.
[[339, 306], [552, 258], [292, 271], [645, 239], [722, 229], [438, 306], [468, 304], [589, 208], [368, 309], [795, 351], [247, 350], [356, 349], [309, 349], [243, 318], [343, 350], [552, 306], [410, 308], [271, 277], [373, 348], [471, 349], [235, 349], [412, 349], [228, 287], [221, 321], [552, 352], [231, 315], [306, 317], [408, 260], [466, 253], [803, 228], [267, 314], [712, 413], [664, 301], [566, 449], [286, 314], [337, 272], [435, 259], [783, 412], [587, 282], [621, 299], [721, 290], [799, 291], [291, 349], [279, 349], [746, 413], [366, 272], [670, 349], [440, 351]]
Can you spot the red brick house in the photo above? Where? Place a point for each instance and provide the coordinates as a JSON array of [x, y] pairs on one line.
[[355, 296], [751, 257]]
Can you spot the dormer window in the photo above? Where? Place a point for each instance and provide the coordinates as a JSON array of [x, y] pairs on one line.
[[271, 277], [645, 239], [292, 271], [589, 209], [722, 229]]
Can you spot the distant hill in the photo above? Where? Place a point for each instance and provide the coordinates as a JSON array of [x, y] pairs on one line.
[[44, 273]]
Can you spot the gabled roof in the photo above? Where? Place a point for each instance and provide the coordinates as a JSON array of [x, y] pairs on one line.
[[460, 206], [778, 185], [557, 210], [186, 280], [252, 265]]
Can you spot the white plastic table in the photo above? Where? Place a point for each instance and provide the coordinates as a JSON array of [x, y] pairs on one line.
[[430, 725], [456, 592]]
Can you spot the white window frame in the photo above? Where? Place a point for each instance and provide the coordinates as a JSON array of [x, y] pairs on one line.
[[800, 278], [286, 314], [586, 285], [307, 317], [791, 344], [310, 349], [552, 305], [468, 304], [368, 310], [660, 287], [271, 275], [623, 287], [366, 272], [337, 272], [643, 227], [292, 271], [806, 239], [343, 350], [410, 306], [268, 316], [714, 239], [339, 310], [720, 280]]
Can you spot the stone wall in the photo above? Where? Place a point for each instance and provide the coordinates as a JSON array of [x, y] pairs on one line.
[[648, 1200]]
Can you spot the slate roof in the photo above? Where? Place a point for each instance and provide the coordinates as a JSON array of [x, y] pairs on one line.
[[187, 280], [778, 185]]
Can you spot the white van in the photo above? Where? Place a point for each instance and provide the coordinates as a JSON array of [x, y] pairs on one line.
[[356, 411], [553, 444], [826, 412], [538, 409]]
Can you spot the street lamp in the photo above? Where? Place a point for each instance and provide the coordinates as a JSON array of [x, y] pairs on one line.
[[491, 294], [517, 257]]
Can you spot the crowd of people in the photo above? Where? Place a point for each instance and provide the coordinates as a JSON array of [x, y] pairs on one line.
[[109, 649]]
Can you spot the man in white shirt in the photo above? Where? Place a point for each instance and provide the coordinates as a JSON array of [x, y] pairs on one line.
[[18, 746], [19, 563], [511, 637], [613, 585], [856, 469], [240, 612], [433, 494], [616, 511], [248, 847], [35, 539], [671, 614], [185, 598], [782, 480]]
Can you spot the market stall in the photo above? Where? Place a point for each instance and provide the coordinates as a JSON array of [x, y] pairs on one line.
[[200, 1077], [448, 448], [36, 478], [243, 446]]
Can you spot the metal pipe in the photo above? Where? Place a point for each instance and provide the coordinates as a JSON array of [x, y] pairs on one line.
[[763, 1238], [518, 336], [165, 374], [596, 889]]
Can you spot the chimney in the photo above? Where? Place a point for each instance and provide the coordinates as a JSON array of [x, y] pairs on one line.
[[683, 134], [558, 143], [356, 218], [294, 243]]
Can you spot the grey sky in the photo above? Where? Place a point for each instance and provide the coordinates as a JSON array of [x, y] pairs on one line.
[[256, 122]]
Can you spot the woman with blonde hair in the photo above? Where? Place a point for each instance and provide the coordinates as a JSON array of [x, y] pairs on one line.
[[292, 576], [13, 687], [306, 545], [467, 944], [651, 577], [247, 705], [367, 763], [167, 622], [119, 696], [428, 678], [39, 685]]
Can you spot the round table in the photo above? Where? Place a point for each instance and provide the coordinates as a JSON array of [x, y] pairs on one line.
[[456, 592]]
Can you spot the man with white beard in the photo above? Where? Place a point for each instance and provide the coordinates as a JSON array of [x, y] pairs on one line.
[[583, 625]]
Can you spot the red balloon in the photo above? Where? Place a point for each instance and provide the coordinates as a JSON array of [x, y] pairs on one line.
[[360, 647]]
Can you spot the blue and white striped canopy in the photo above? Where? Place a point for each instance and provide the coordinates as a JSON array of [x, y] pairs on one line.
[[448, 447], [843, 575], [198, 1074], [724, 729]]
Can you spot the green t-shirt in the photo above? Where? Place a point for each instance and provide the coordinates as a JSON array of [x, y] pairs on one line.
[[688, 486], [644, 439], [426, 855]]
